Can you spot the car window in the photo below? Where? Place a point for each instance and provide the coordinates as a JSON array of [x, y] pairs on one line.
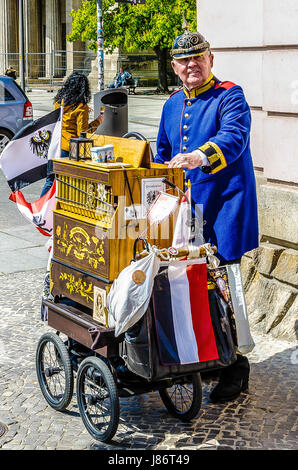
[[5, 95], [21, 91]]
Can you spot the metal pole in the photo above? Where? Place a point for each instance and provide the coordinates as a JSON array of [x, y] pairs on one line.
[[21, 48], [52, 73], [27, 73], [100, 52]]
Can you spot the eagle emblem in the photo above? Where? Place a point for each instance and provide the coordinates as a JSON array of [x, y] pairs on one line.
[[40, 142], [40, 222]]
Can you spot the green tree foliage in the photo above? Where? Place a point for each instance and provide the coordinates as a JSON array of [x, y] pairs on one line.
[[135, 27]]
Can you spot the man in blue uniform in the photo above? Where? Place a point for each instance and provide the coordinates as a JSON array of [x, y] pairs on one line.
[[205, 129]]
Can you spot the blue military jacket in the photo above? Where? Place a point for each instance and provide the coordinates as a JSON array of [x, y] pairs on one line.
[[215, 118]]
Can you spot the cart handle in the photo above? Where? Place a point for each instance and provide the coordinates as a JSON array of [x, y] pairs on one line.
[[146, 245], [179, 253]]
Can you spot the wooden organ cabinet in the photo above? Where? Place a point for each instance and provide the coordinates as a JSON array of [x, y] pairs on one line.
[[94, 235]]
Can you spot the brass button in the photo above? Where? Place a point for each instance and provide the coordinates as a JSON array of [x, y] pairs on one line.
[[186, 115], [185, 138], [185, 127], [189, 103], [184, 149]]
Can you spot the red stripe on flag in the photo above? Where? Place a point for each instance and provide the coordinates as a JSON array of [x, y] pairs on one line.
[[39, 203], [201, 318]]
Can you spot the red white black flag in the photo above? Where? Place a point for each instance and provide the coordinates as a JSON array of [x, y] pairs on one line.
[[184, 328], [40, 212]]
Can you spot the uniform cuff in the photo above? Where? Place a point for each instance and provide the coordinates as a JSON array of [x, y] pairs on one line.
[[214, 156], [205, 161]]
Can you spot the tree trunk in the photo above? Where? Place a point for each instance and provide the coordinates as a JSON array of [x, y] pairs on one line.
[[162, 56]]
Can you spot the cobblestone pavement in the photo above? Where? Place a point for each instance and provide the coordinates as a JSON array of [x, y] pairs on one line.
[[264, 418]]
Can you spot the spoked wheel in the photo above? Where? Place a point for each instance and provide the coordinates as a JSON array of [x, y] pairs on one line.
[[183, 400], [98, 399], [54, 371]]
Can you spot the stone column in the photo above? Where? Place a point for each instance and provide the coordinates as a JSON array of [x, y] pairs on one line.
[[53, 36], [76, 52], [9, 34], [34, 61]]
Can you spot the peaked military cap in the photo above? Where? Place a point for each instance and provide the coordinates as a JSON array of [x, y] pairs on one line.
[[189, 44]]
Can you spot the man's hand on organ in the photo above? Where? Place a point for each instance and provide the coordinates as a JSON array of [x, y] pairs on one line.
[[186, 160]]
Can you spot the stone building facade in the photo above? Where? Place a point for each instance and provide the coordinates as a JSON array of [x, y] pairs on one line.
[[255, 45], [46, 25]]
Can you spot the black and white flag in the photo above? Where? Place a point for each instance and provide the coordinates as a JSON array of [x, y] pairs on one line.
[[24, 159]]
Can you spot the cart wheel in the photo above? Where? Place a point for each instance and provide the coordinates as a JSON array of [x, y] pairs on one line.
[[183, 400], [98, 399], [54, 371]]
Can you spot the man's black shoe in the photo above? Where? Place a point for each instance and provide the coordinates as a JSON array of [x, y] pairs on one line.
[[233, 380]]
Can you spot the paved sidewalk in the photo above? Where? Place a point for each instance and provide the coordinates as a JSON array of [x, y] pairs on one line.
[[22, 247], [264, 418]]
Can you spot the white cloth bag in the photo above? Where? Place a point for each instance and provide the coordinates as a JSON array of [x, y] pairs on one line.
[[245, 341], [128, 300]]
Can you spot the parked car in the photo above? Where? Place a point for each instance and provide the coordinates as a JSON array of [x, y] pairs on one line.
[[15, 109]]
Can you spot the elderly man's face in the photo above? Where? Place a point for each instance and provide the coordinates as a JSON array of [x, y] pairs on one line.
[[193, 70]]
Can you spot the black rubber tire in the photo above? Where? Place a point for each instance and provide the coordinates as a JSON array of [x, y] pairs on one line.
[[190, 394], [5, 137], [54, 371], [97, 394]]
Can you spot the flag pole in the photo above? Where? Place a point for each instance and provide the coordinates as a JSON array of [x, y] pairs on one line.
[[21, 45]]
